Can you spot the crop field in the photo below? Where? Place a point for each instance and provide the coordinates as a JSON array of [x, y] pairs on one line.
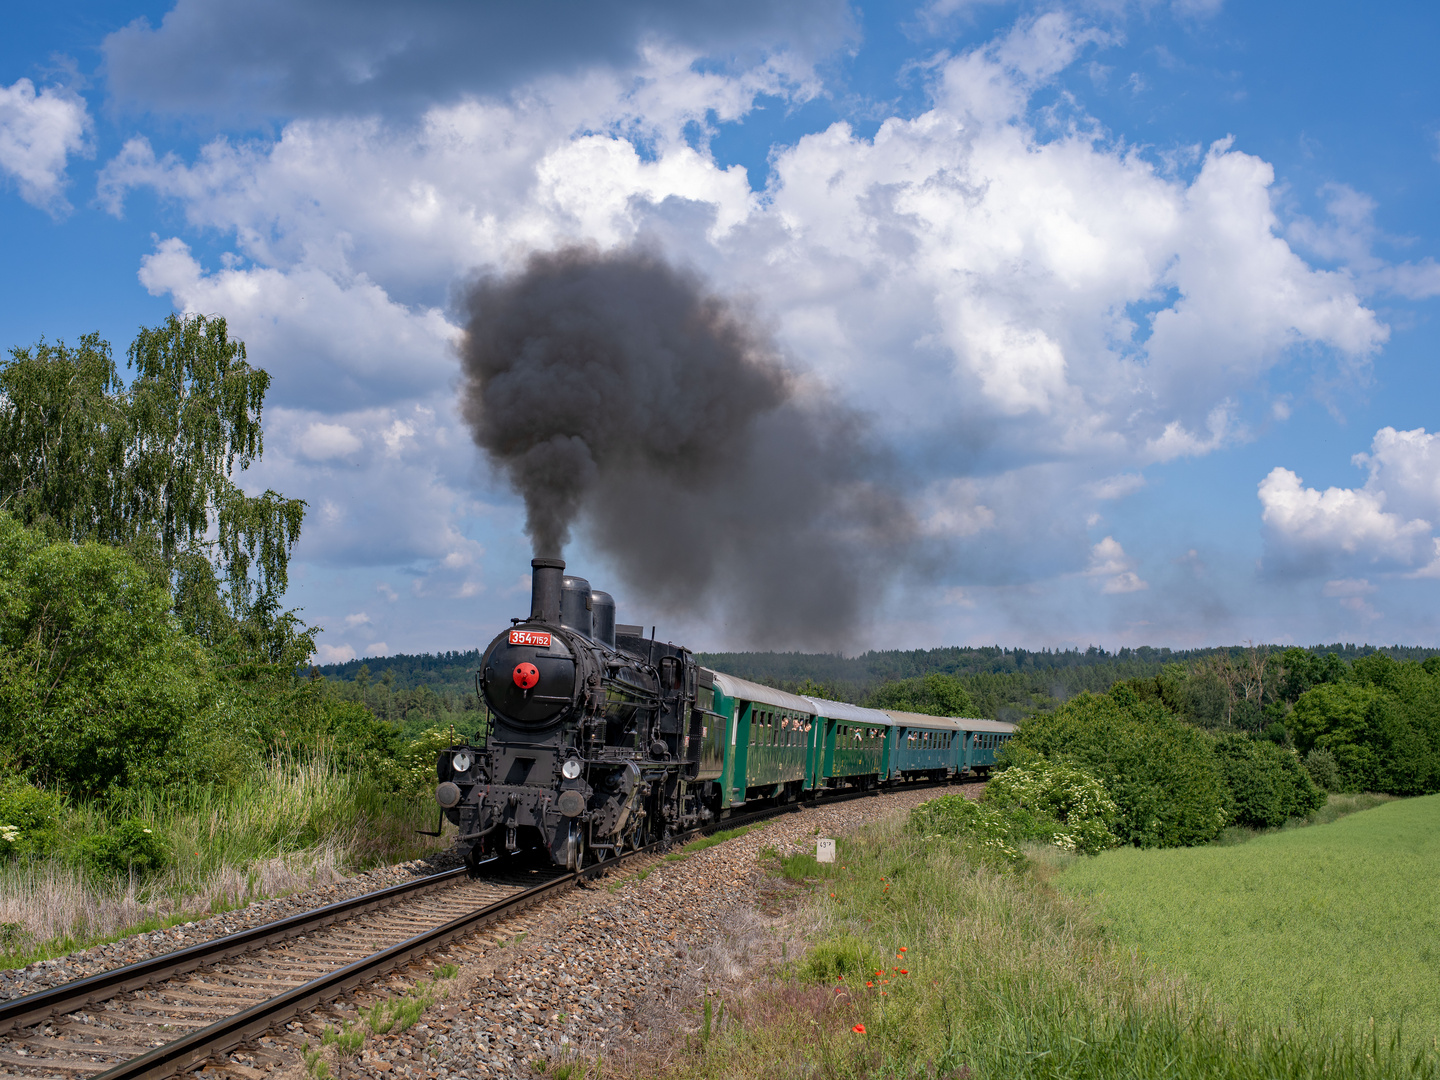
[[1323, 929]]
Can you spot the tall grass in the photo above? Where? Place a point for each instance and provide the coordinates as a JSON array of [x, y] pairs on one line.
[[1335, 925], [299, 822], [926, 962]]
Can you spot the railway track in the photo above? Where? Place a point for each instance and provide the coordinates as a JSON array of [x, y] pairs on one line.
[[173, 1013]]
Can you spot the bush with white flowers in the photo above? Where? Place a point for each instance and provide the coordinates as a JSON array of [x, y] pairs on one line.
[[1065, 801]]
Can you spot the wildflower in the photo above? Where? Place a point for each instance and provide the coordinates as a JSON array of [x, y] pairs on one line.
[[869, 984], [904, 972], [859, 1029], [832, 896], [902, 948]]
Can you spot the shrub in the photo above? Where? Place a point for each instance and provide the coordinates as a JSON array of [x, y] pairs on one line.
[[1320, 764], [129, 846], [1161, 773], [1382, 727], [29, 819], [1267, 785], [1074, 809], [410, 770], [97, 683]]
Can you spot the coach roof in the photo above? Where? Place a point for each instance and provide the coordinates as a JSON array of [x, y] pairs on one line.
[[745, 690], [855, 714]]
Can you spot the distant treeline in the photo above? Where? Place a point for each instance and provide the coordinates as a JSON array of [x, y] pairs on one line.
[[1001, 683]]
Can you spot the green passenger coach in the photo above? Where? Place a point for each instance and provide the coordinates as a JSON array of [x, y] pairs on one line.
[[771, 734], [982, 739], [924, 747], [758, 744], [851, 748]]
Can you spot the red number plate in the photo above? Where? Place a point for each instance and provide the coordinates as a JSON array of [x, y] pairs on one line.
[[530, 637]]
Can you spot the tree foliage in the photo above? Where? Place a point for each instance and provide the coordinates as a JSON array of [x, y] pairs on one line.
[[1160, 772], [1380, 722], [151, 467], [1267, 784], [98, 685], [934, 695]]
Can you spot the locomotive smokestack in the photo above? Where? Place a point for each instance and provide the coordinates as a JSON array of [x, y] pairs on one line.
[[546, 578]]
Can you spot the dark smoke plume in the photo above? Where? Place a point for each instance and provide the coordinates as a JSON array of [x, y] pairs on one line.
[[620, 395]]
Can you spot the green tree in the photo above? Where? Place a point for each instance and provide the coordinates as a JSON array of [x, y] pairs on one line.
[[99, 687], [1382, 725], [1268, 786], [151, 467], [933, 695], [1301, 670], [1161, 772]]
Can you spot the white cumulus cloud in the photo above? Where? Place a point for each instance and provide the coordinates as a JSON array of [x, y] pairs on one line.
[[1109, 561], [1308, 525], [320, 442], [39, 130], [1390, 519]]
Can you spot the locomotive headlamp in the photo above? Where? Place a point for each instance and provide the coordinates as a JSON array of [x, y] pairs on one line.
[[571, 769], [461, 761]]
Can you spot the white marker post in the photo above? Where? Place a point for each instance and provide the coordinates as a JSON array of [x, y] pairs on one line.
[[824, 850]]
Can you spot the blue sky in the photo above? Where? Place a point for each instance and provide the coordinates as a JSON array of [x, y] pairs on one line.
[[1141, 296]]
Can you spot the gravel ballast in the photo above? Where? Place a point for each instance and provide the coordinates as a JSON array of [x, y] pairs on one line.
[[608, 967]]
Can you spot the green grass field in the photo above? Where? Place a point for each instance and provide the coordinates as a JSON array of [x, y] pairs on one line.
[[1323, 928]]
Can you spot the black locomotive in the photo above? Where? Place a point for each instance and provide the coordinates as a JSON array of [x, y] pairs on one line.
[[595, 736]]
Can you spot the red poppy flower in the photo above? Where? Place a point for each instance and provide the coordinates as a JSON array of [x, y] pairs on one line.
[[904, 972], [869, 984], [902, 948], [859, 1029]]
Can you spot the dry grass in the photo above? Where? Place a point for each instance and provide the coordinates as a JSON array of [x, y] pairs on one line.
[[63, 907], [293, 826]]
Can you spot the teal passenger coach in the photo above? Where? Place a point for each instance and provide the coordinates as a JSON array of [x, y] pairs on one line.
[[760, 743]]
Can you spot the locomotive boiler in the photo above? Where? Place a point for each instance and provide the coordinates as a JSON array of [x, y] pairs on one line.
[[595, 734]]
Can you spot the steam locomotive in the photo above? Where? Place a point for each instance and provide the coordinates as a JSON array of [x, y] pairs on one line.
[[604, 740]]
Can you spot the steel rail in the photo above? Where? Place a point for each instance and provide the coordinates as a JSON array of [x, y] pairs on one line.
[[26, 1011], [191, 1050]]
